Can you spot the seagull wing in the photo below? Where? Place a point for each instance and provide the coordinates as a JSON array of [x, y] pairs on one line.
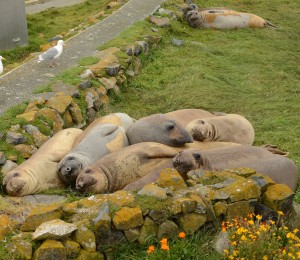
[[49, 54]]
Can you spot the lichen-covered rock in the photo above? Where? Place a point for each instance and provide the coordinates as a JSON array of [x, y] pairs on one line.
[[120, 198], [262, 181], [59, 102], [132, 234], [244, 172], [72, 248], [175, 208], [85, 255], [85, 84], [187, 205], [70, 208], [220, 208], [171, 179], [87, 74], [75, 112], [26, 150], [191, 222], [240, 208], [159, 215], [102, 222], [21, 244], [153, 190], [104, 99], [67, 89], [84, 236], [148, 229], [127, 218], [29, 116], [40, 215], [8, 166], [31, 107], [2, 158], [279, 197], [109, 83], [5, 225], [39, 138], [160, 22], [167, 229], [15, 138], [50, 250], [54, 116], [53, 229], [67, 118]]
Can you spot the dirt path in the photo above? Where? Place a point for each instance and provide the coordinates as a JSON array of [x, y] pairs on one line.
[[16, 86]]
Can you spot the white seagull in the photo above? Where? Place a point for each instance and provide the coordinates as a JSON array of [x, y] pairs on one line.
[[1, 64], [52, 53]]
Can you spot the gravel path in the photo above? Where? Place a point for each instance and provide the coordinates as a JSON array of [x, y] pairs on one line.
[[16, 85]]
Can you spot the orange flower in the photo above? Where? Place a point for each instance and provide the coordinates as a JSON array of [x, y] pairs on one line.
[[223, 227], [165, 247], [181, 235], [150, 249], [164, 241]]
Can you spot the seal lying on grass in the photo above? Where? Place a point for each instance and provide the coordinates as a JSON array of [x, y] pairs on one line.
[[39, 172], [103, 136]]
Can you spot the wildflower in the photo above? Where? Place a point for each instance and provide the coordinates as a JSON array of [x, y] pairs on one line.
[[285, 228], [265, 257], [259, 217], [226, 251], [297, 245], [164, 241], [295, 230], [280, 213], [235, 252], [181, 235], [298, 254], [251, 222], [233, 243], [272, 222], [250, 215], [223, 227], [165, 247], [150, 249], [243, 237]]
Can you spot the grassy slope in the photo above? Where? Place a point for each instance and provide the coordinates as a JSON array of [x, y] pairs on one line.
[[252, 72]]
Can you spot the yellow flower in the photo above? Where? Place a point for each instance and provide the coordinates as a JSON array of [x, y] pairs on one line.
[[290, 235], [165, 247], [265, 257], [280, 213], [226, 251], [251, 222], [295, 230], [164, 241], [298, 254], [257, 232], [297, 245], [233, 243], [286, 228], [231, 257], [235, 252], [243, 237], [272, 222], [181, 235], [150, 249], [259, 217]]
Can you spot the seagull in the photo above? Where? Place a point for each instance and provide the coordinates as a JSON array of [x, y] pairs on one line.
[[1, 64], [52, 53]]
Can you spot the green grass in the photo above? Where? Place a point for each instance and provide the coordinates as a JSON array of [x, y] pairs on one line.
[[88, 61]]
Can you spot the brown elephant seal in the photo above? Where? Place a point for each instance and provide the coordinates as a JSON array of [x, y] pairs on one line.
[[226, 19], [192, 6], [185, 116], [158, 128], [228, 128], [279, 168], [39, 172], [101, 140]]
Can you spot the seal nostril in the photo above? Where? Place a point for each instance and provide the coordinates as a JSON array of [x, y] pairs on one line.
[[88, 171], [68, 169]]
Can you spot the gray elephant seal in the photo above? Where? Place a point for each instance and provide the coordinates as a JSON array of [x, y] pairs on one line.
[[158, 128], [185, 116], [103, 139], [39, 172], [277, 167], [225, 19], [228, 128]]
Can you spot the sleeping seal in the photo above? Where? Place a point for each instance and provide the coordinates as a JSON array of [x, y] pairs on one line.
[[158, 128], [39, 172], [228, 128]]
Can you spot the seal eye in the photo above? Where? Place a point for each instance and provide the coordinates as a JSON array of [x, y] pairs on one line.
[[70, 158], [170, 127], [16, 174], [197, 156], [88, 171]]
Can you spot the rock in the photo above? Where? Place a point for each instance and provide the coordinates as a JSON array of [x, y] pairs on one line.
[[85, 255], [221, 242], [167, 229], [72, 248], [262, 181], [91, 114], [21, 244], [187, 205], [166, 12], [153, 191], [158, 216], [175, 208], [294, 218], [191, 222], [30, 129], [132, 234], [76, 114], [240, 208], [50, 250], [38, 100], [121, 198], [244, 172], [67, 118], [127, 218], [84, 236], [8, 166], [220, 208], [70, 208], [109, 83], [87, 74], [89, 99], [5, 225], [2, 158], [67, 89], [279, 197], [26, 150], [137, 65], [112, 4], [101, 91], [56, 38], [85, 84], [104, 99], [144, 46], [29, 116], [15, 138], [115, 238], [53, 229], [171, 179], [160, 22], [148, 229], [59, 102], [102, 223], [177, 42], [55, 117], [39, 139], [40, 215], [31, 107], [113, 69]]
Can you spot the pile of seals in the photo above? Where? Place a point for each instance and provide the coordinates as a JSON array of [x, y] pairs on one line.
[[118, 152], [222, 18]]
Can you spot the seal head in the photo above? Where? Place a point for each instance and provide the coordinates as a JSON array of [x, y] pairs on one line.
[[68, 169], [13, 184]]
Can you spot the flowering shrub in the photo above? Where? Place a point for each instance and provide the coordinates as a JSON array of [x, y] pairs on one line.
[[250, 238]]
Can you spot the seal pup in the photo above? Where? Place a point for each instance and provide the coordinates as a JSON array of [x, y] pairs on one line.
[[226, 19], [279, 168], [228, 128], [39, 172], [158, 128]]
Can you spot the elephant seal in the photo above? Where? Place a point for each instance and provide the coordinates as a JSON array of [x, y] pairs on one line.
[[39, 172], [192, 6], [228, 128], [279, 168], [158, 128], [101, 140], [185, 116], [226, 19]]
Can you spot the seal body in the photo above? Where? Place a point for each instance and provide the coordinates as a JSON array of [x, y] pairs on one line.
[[228, 128], [103, 136], [158, 128], [185, 116], [39, 172], [279, 168], [225, 19]]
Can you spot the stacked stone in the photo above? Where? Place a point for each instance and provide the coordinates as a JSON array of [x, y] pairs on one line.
[[161, 210]]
